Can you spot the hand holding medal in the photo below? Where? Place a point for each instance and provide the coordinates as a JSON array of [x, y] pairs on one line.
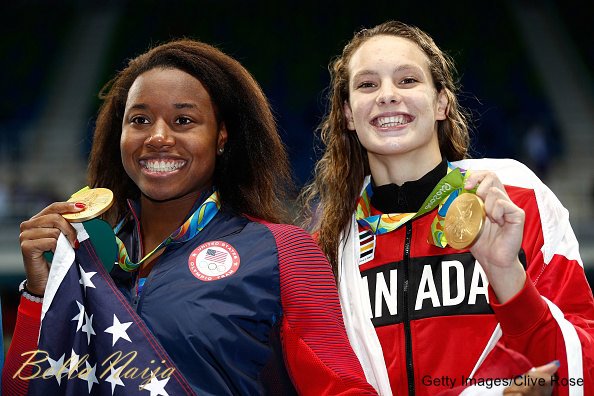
[[494, 235], [96, 201], [39, 234]]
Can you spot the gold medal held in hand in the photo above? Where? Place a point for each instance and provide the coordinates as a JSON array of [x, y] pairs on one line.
[[96, 200], [464, 221]]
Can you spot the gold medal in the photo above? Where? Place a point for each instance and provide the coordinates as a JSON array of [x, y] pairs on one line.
[[97, 201], [464, 221]]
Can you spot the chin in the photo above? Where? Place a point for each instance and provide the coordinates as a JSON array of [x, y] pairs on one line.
[[389, 149], [158, 196]]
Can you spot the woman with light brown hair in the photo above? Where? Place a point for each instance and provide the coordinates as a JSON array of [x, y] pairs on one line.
[[421, 307]]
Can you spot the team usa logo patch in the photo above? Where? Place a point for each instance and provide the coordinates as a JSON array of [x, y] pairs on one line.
[[213, 260]]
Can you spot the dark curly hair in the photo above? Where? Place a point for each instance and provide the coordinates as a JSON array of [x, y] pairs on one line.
[[252, 176]]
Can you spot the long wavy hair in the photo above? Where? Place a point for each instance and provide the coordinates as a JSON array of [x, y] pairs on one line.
[[331, 198], [248, 180]]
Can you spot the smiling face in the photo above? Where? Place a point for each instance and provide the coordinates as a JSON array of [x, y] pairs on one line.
[[170, 135], [393, 105]]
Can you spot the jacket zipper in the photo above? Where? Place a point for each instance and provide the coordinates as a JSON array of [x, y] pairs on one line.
[[407, 334]]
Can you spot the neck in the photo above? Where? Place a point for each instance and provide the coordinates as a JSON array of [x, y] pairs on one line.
[[158, 219], [402, 168]]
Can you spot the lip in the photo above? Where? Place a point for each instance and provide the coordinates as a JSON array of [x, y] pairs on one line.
[[394, 120]]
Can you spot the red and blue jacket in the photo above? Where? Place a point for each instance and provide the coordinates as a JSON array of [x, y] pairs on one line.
[[245, 307]]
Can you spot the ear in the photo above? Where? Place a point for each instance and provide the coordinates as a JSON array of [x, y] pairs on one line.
[[442, 105], [222, 138], [348, 114]]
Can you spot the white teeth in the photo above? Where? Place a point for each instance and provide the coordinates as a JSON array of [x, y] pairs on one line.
[[162, 166], [391, 121]]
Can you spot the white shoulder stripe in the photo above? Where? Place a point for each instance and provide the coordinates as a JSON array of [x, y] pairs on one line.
[[495, 337], [573, 349]]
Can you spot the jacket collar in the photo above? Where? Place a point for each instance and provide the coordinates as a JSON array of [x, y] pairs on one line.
[[408, 198]]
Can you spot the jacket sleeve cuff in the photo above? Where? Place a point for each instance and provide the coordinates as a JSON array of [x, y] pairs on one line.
[[523, 311], [30, 308]]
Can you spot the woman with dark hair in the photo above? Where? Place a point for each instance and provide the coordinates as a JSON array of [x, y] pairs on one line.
[[241, 304], [239, 106], [421, 313]]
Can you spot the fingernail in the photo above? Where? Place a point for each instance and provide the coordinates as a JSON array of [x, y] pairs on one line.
[[76, 244], [80, 205], [556, 363]]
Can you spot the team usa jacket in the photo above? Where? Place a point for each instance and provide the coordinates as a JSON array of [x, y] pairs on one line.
[[243, 308], [432, 308]]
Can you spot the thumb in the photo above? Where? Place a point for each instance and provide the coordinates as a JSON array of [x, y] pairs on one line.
[[549, 368]]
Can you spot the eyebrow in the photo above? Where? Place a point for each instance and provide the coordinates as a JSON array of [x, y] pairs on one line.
[[184, 105], [397, 69], [138, 106], [143, 106]]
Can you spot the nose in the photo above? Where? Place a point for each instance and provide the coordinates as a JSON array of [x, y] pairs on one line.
[[388, 94], [160, 136]]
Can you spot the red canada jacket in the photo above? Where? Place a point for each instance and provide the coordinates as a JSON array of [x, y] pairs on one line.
[[434, 312]]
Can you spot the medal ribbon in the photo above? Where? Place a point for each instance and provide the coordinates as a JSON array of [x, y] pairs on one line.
[[446, 190], [195, 223]]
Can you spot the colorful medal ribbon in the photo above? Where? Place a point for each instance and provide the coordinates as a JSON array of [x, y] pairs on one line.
[[446, 190], [195, 223]]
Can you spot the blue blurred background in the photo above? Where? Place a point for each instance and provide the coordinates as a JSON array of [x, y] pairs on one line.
[[525, 68]]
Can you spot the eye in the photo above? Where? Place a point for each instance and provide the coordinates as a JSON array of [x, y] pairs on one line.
[[366, 84], [139, 119], [409, 80], [182, 120]]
